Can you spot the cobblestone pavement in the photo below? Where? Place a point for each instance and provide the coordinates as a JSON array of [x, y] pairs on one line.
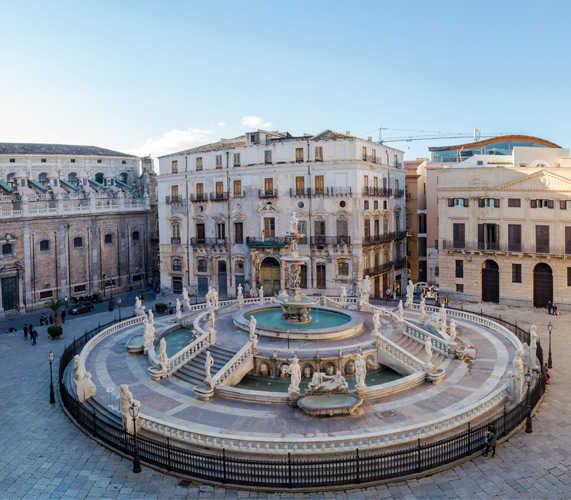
[[44, 456]]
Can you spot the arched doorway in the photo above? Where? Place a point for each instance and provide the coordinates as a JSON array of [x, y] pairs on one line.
[[270, 276], [222, 281], [490, 282], [542, 285]]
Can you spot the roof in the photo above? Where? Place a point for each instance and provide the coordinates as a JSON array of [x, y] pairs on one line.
[[499, 138], [331, 135], [24, 148], [413, 164], [235, 142]]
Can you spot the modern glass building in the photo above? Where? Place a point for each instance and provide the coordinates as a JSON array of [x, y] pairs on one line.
[[501, 145]]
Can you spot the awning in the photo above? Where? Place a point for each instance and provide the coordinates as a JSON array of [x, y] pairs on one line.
[[37, 185], [69, 185], [5, 187]]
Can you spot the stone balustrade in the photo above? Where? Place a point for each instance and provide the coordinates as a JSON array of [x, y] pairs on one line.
[[188, 353], [240, 364]]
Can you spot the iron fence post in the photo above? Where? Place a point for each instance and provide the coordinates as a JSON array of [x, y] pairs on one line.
[[469, 450], [289, 468], [418, 468], [358, 470], [169, 467], [224, 464]]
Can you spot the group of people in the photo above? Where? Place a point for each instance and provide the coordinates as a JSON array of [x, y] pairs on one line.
[[551, 308], [30, 330]]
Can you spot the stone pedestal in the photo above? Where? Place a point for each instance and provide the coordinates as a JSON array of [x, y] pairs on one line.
[[204, 392]]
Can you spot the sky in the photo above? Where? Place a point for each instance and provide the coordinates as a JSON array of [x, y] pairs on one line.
[[157, 77]]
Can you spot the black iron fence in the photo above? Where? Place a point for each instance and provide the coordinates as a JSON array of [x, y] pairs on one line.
[[288, 471]]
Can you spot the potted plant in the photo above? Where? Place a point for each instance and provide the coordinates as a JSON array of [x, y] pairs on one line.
[[55, 331], [54, 306]]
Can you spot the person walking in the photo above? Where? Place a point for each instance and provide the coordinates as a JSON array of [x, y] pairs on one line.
[[549, 306], [491, 441], [25, 332], [63, 314], [33, 335]]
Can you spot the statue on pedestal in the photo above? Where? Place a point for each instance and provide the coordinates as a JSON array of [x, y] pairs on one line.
[[365, 291], [443, 318], [208, 380], [148, 334], [401, 311], [139, 307], [240, 296], [186, 298], [409, 294], [124, 404], [164, 359], [178, 310], [377, 322], [261, 294], [360, 372], [295, 371], [423, 309], [428, 349], [343, 298], [452, 331], [152, 319], [84, 387]]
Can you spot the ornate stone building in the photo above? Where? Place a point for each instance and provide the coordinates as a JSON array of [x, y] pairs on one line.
[[503, 222], [416, 218], [74, 221], [224, 210]]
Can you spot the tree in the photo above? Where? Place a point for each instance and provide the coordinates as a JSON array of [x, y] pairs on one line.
[[54, 306]]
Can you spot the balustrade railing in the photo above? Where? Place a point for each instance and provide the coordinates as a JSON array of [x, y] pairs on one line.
[[243, 356]]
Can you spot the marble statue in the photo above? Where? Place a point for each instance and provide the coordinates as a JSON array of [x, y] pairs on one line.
[[360, 372], [215, 298], [409, 294], [178, 310], [518, 370], [186, 298], [343, 299], [84, 387], [208, 380], [423, 309], [254, 340], [293, 223], [532, 349], [152, 319], [148, 334], [442, 317], [261, 294], [240, 296], [452, 331], [212, 319], [139, 307], [252, 325], [124, 404], [377, 322], [365, 291], [164, 359], [428, 349], [321, 382], [401, 311], [295, 372], [212, 334]]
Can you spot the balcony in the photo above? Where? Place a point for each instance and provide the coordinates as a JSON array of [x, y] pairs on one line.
[[322, 241], [377, 192], [198, 198], [275, 242], [262, 193], [239, 194], [398, 263], [219, 196], [175, 200], [328, 191], [300, 193], [494, 247], [374, 239], [175, 241], [398, 193], [207, 242]]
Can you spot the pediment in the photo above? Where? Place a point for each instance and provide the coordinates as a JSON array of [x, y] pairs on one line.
[[541, 180]]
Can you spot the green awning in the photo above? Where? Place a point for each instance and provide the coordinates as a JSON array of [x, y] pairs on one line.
[[266, 244], [69, 185], [37, 185], [97, 184], [5, 187], [121, 183]]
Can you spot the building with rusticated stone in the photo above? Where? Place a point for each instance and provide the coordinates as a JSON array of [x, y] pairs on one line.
[[224, 211], [74, 221]]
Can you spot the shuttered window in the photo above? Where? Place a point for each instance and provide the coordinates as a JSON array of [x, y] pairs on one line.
[[514, 237], [199, 189], [200, 232], [299, 185], [568, 239], [367, 228], [514, 202], [516, 273], [458, 232], [542, 239], [459, 268], [319, 184]]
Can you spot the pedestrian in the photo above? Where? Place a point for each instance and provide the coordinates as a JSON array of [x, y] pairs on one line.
[[549, 306], [34, 335], [546, 373], [63, 315], [554, 309], [490, 439], [26, 332], [446, 301]]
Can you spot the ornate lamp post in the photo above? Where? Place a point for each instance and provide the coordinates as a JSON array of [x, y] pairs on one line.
[[51, 357], [549, 360], [134, 412], [528, 425]]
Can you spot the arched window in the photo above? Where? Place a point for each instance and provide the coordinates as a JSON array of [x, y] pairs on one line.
[[99, 177], [124, 177], [72, 178], [43, 179], [44, 244], [7, 249], [175, 229], [11, 179], [135, 235], [202, 265]]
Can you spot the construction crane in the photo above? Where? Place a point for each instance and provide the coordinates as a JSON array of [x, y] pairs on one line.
[[427, 135]]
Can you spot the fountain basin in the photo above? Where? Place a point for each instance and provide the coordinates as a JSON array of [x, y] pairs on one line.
[[330, 404], [326, 323], [176, 340]]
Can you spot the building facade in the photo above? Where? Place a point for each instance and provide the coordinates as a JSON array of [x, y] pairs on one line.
[[73, 222], [503, 225], [224, 211], [416, 219]]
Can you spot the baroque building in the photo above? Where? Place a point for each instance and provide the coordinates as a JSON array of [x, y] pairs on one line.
[[224, 209], [416, 219], [500, 220], [74, 221]]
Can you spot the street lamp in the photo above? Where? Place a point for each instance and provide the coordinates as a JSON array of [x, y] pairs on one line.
[[119, 304], [134, 412], [549, 361], [528, 426], [51, 357]]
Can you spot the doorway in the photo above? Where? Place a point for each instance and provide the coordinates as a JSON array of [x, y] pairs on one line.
[[10, 293], [542, 285], [222, 282], [270, 276], [490, 282]]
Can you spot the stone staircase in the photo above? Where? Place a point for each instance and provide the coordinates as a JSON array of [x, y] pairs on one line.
[[417, 349], [193, 371]]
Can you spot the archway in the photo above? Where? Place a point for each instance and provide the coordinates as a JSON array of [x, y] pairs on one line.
[[542, 285], [270, 276], [490, 282], [222, 281]]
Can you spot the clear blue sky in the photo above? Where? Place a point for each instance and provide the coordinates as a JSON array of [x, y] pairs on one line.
[[149, 77]]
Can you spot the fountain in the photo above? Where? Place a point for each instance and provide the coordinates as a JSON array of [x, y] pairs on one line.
[[295, 306]]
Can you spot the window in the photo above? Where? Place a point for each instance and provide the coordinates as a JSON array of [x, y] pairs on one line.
[[219, 189], [488, 236], [221, 231], [268, 185], [459, 268], [489, 203], [364, 153], [237, 189], [514, 237], [374, 153], [72, 160], [79, 288], [436, 270], [135, 235], [568, 239], [7, 249], [367, 223], [541, 204], [240, 266], [569, 276], [514, 202], [459, 288], [366, 205], [100, 178], [542, 239], [236, 159], [109, 238], [298, 155], [46, 294], [43, 160], [320, 275], [177, 264], [199, 164], [384, 204], [319, 153], [269, 227], [319, 228], [458, 235], [78, 242], [516, 273], [12, 160], [98, 161], [376, 205], [174, 192], [458, 202], [343, 268], [218, 161], [200, 232], [299, 185], [177, 284], [174, 167], [202, 266], [268, 156], [319, 188], [43, 179], [238, 233], [377, 227], [366, 182], [565, 204], [44, 244], [123, 162]]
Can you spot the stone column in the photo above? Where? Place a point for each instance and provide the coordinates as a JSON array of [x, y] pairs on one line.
[[63, 260], [95, 243], [28, 263], [20, 292]]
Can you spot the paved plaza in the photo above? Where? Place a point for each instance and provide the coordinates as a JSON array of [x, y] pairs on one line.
[[45, 456]]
